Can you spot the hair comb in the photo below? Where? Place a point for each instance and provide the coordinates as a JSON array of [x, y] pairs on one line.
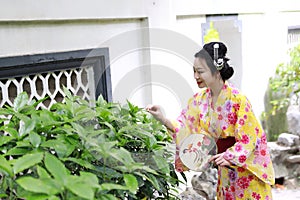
[[218, 62]]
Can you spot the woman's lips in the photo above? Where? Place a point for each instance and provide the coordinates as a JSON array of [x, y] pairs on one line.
[[199, 82]]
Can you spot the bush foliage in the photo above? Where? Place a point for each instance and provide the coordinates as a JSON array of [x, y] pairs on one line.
[[78, 151], [284, 85]]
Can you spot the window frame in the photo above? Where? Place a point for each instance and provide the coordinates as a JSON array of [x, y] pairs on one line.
[[18, 66]]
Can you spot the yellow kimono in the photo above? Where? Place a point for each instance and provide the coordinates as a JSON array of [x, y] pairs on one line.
[[252, 172]]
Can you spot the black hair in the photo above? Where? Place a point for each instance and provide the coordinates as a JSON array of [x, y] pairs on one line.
[[207, 53]]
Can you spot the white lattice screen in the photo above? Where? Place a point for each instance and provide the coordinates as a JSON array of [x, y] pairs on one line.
[[293, 37], [80, 81]]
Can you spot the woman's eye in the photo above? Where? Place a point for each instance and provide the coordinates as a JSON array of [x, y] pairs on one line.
[[198, 71]]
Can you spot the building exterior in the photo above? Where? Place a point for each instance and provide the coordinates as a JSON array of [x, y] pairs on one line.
[[151, 43]]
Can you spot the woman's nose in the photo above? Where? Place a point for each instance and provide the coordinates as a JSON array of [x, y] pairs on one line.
[[196, 75]]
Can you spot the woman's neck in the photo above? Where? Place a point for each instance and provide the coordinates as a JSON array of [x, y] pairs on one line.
[[216, 88]]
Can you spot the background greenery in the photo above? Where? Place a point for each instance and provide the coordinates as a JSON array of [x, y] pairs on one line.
[[78, 151], [282, 86]]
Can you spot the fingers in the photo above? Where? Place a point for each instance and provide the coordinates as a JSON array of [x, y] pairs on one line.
[[215, 157], [151, 107], [222, 162], [219, 160], [155, 111], [212, 159]]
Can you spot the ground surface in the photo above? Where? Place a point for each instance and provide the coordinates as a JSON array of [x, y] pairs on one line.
[[287, 194]]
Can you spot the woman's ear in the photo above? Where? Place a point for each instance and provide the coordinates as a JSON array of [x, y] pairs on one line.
[[217, 74]]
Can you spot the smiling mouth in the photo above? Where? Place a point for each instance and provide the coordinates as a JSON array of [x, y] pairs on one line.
[[199, 82]]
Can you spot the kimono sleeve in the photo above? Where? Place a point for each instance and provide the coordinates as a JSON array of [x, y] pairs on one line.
[[245, 131], [187, 123], [250, 150]]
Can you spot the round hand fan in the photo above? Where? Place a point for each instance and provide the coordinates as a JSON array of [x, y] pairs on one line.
[[196, 150]]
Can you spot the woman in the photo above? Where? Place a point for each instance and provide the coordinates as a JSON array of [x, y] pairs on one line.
[[245, 169]]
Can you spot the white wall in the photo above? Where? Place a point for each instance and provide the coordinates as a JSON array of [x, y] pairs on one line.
[[19, 38], [264, 47], [15, 10]]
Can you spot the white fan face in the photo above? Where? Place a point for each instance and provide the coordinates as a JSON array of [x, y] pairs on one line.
[[196, 150]]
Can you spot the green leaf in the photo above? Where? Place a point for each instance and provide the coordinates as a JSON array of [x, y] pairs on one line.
[[27, 109], [61, 146], [25, 194], [5, 183], [53, 198], [68, 93], [107, 171], [45, 186], [24, 143], [134, 167], [151, 178], [47, 118], [5, 166], [154, 181], [35, 139], [79, 187], [5, 111], [89, 178], [84, 113], [56, 167], [101, 102], [26, 125], [140, 132], [5, 139], [80, 130], [13, 132], [20, 101], [100, 146], [162, 164], [80, 162], [16, 151], [109, 126], [27, 161], [104, 114], [112, 186], [131, 183], [36, 103], [122, 155], [132, 108], [42, 172], [107, 197]]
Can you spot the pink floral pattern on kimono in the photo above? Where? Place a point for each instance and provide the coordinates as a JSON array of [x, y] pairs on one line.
[[230, 116]]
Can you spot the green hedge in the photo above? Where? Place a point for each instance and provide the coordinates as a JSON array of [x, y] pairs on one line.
[[78, 151]]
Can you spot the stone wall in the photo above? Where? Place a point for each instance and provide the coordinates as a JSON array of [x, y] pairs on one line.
[[285, 152]]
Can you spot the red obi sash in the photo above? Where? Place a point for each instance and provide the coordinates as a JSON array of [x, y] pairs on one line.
[[224, 143]]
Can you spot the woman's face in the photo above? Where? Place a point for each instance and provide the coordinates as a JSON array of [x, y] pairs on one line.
[[202, 73]]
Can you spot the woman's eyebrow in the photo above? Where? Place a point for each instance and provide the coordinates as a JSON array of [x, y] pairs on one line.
[[197, 67]]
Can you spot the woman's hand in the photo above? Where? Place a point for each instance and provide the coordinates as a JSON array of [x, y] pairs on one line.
[[158, 115], [156, 112], [220, 160]]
